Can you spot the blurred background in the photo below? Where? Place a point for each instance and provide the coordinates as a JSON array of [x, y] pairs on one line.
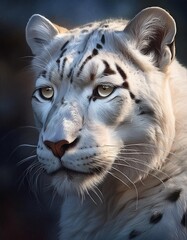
[[27, 209]]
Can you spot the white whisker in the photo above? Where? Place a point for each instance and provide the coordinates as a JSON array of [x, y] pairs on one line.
[[147, 173], [136, 190], [26, 159], [118, 179]]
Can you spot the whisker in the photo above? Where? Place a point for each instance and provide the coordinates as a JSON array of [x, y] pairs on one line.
[[119, 179], [20, 146], [26, 172], [26, 159], [54, 194], [148, 173], [136, 160], [91, 197], [136, 190], [94, 191]]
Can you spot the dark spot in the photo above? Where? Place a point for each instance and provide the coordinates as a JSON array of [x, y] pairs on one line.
[[137, 101], [103, 39], [99, 46], [64, 45], [174, 196], [156, 217], [92, 76], [105, 26], [121, 72], [184, 219], [108, 70], [94, 52], [125, 85], [134, 234], [132, 95]]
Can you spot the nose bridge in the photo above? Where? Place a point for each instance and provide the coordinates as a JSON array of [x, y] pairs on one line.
[[64, 123]]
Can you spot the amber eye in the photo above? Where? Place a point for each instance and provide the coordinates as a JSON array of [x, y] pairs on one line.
[[46, 93], [104, 90]]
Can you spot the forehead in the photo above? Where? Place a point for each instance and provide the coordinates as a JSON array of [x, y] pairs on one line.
[[88, 52]]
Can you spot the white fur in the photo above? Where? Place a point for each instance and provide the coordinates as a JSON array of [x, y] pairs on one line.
[[140, 148]]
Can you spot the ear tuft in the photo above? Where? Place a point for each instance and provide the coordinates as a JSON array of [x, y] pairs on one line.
[[153, 31], [39, 33]]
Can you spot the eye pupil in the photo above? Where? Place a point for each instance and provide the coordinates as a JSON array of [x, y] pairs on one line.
[[104, 90], [47, 93]]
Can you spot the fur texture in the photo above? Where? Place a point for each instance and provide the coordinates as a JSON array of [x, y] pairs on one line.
[[110, 102]]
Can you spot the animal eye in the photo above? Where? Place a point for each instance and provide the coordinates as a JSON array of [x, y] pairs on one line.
[[104, 90], [46, 93]]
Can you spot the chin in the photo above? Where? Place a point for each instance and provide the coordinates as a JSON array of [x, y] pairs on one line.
[[68, 182]]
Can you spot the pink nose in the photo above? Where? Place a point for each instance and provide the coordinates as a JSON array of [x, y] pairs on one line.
[[58, 148]]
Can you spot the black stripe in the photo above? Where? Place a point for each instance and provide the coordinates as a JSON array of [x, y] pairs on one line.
[[58, 64], [85, 61], [94, 53], [63, 66], [70, 73], [71, 80], [121, 72], [103, 39], [108, 70], [62, 53], [64, 45], [126, 86]]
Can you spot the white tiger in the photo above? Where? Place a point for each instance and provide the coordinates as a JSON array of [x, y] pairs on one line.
[[110, 103]]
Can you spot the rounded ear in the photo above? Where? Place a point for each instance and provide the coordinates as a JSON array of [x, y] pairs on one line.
[[40, 32], [153, 31]]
